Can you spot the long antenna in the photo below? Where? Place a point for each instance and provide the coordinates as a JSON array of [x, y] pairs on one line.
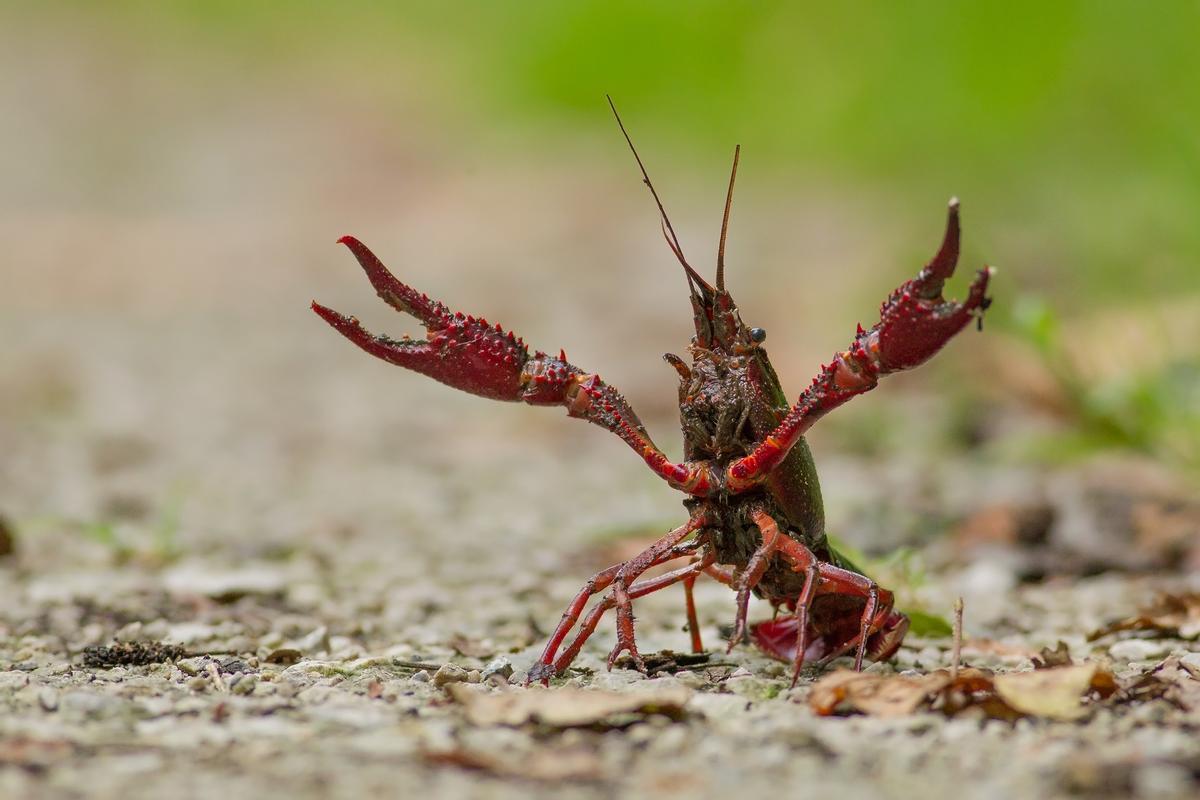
[[737, 151], [669, 230]]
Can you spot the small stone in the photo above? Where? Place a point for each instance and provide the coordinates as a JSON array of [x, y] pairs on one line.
[[189, 666], [48, 699], [420, 676], [130, 633], [449, 673], [246, 684], [690, 679], [1191, 662], [1136, 650], [474, 676], [498, 666], [496, 680], [198, 684], [285, 656], [315, 642], [741, 672]]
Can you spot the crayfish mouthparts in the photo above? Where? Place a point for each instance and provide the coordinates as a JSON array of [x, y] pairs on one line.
[[756, 520]]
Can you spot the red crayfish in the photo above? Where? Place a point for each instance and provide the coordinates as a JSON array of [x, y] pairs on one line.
[[755, 516]]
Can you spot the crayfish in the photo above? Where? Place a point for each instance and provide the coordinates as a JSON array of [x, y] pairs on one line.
[[755, 516]]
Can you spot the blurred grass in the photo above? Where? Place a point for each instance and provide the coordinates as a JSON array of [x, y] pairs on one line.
[[1073, 119], [1071, 130], [1153, 410]]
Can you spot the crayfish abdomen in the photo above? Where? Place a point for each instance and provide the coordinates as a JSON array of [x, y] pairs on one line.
[[755, 516]]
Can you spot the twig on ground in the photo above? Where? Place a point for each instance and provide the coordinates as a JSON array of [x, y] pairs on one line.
[[956, 659]]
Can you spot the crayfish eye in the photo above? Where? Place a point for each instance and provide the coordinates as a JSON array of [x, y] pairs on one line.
[[758, 335]]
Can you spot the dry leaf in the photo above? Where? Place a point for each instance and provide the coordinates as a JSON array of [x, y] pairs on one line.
[[472, 648], [33, 753], [554, 765], [1169, 615], [1060, 656], [1006, 524], [1172, 680], [566, 707], [1054, 693], [876, 695], [993, 647]]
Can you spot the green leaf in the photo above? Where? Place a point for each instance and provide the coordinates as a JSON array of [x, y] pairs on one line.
[[928, 626]]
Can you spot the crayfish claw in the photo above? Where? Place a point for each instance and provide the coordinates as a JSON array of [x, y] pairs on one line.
[[461, 351], [916, 320]]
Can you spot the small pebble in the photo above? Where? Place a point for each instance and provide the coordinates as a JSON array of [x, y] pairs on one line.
[[421, 676], [690, 679], [48, 699], [449, 673], [498, 666], [1135, 650], [474, 676], [189, 666], [245, 684]]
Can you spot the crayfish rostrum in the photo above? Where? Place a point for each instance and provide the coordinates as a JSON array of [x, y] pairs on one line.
[[755, 516]]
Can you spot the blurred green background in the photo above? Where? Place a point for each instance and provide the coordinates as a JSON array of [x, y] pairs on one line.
[[1070, 130], [1080, 119]]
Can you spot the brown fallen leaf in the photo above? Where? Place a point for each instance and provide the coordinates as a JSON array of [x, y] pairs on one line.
[[552, 765], [1013, 525], [1060, 656], [875, 695], [993, 647], [1169, 615], [1173, 680], [1052, 693], [566, 707], [29, 753], [472, 648], [1055, 692]]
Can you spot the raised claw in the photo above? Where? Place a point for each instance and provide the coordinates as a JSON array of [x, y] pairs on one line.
[[471, 355], [916, 320], [461, 351], [914, 323]]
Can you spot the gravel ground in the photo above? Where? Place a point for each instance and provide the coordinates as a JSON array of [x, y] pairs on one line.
[[187, 456], [306, 540]]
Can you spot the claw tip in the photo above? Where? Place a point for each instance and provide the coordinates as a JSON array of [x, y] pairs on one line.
[[953, 204]]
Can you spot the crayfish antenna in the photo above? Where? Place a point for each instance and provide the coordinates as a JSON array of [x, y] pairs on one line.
[[696, 283], [737, 151]]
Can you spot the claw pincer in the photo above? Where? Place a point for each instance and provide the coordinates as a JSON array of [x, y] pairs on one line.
[[461, 351]]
